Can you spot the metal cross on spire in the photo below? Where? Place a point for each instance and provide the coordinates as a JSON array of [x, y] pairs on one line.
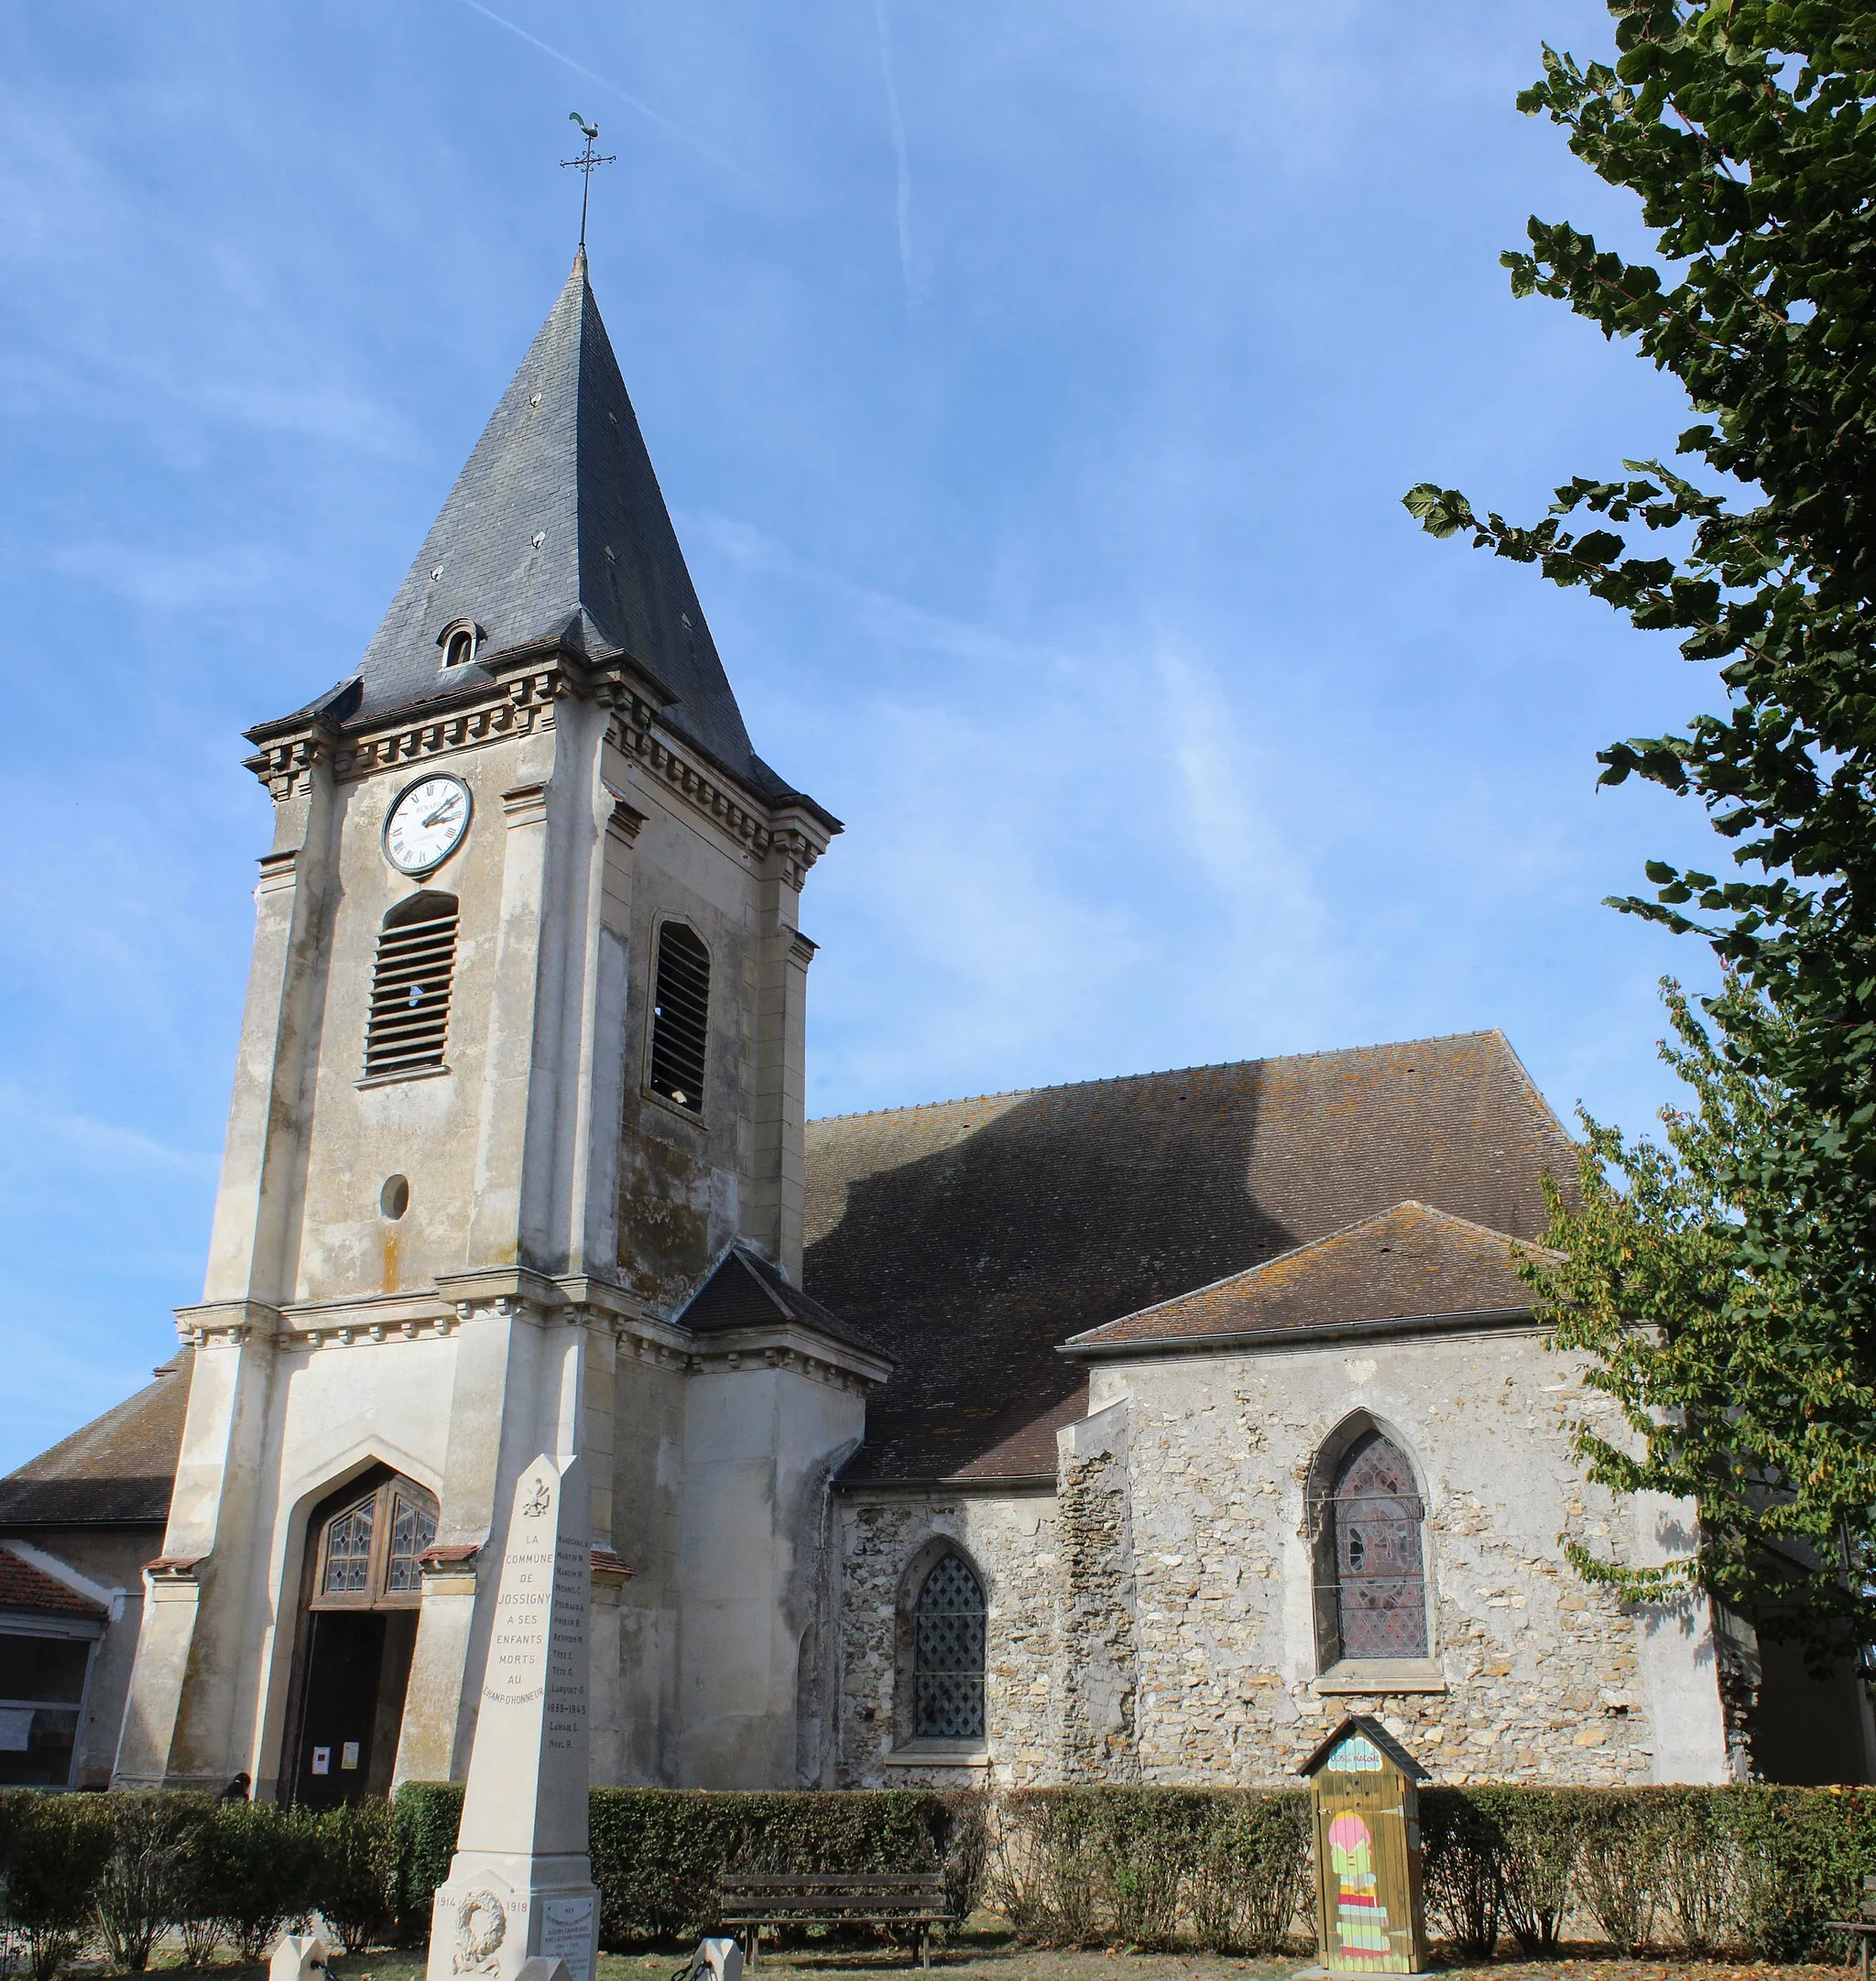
[[586, 163]]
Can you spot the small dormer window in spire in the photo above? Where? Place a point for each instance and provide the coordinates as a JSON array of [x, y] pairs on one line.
[[539, 538], [460, 641]]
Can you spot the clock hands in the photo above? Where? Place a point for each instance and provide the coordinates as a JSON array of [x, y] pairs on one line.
[[443, 810]]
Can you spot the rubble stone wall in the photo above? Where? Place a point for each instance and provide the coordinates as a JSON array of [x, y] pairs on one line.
[[1542, 1674], [885, 1542]]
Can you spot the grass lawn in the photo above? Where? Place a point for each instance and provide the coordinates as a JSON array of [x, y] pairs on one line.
[[987, 1954]]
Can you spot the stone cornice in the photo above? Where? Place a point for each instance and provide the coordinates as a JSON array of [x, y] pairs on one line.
[[787, 1344], [229, 1322], [791, 832]]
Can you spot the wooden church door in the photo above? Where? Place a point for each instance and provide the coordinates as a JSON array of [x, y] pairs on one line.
[[357, 1629]]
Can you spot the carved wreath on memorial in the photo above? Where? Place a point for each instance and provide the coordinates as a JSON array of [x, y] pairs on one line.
[[482, 1924]]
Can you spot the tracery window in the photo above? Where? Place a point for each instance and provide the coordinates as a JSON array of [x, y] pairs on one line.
[[368, 1552], [948, 1654], [1372, 1572]]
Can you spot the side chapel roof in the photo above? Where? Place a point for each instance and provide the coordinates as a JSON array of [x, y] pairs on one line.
[[972, 1238], [1412, 1264], [117, 1470]]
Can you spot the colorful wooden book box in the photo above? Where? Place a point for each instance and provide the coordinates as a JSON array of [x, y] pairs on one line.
[[1371, 1918]]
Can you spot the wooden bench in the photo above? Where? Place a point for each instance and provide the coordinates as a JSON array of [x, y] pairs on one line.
[[748, 1901], [1863, 1927]]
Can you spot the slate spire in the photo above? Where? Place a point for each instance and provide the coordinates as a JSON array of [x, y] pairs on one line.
[[556, 530]]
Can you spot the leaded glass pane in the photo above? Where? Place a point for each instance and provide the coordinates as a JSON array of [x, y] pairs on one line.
[[348, 1551], [413, 1528], [1381, 1576], [948, 1654]]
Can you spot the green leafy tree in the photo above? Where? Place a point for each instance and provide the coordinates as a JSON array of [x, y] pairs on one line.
[[1746, 128]]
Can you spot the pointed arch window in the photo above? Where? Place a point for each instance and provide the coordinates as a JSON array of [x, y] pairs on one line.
[[948, 1653], [410, 1017], [681, 1016], [1371, 1556], [369, 1551]]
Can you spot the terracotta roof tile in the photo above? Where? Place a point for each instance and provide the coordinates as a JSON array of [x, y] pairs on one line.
[[1409, 1263], [117, 1470], [971, 1238], [23, 1586]]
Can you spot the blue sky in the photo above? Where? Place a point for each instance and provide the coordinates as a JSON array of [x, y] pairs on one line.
[[1034, 386]]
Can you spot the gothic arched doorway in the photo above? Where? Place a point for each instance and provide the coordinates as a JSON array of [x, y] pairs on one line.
[[357, 1628]]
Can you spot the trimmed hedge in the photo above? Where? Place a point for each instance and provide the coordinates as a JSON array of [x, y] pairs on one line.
[[659, 1854], [1687, 1870]]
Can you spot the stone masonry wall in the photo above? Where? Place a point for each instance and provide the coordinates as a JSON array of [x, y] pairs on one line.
[[1156, 1622], [1098, 1675], [1011, 1542], [1543, 1672]]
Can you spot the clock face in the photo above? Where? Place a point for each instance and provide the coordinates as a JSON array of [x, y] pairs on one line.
[[426, 824]]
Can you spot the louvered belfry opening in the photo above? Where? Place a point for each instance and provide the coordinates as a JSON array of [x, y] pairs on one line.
[[410, 986], [680, 1018]]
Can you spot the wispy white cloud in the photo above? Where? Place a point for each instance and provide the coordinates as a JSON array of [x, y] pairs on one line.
[[637, 103], [96, 1148], [901, 155]]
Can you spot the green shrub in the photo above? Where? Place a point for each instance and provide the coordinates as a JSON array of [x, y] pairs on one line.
[[1463, 1869], [1699, 1847], [146, 1886], [1251, 1873], [353, 1884], [254, 1868], [56, 1850], [1539, 1831], [1618, 1866], [1048, 1869], [426, 1816]]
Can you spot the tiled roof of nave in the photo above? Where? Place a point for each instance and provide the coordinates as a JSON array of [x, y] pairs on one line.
[[971, 1238]]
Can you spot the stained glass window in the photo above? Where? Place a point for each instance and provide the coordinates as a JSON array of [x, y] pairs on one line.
[[348, 1551], [371, 1553], [948, 1654], [1374, 1518], [413, 1528]]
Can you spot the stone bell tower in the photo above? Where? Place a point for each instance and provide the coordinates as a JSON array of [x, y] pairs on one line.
[[521, 1063]]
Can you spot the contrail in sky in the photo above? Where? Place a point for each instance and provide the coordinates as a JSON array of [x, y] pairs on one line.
[[899, 152], [625, 96]]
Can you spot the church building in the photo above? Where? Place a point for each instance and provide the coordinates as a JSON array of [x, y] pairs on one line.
[[1131, 1430]]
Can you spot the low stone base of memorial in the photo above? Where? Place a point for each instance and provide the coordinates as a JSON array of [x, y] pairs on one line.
[[496, 1912]]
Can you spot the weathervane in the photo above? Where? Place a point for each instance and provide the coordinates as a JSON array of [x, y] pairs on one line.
[[586, 163]]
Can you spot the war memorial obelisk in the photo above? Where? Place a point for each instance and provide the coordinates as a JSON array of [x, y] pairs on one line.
[[520, 1885]]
